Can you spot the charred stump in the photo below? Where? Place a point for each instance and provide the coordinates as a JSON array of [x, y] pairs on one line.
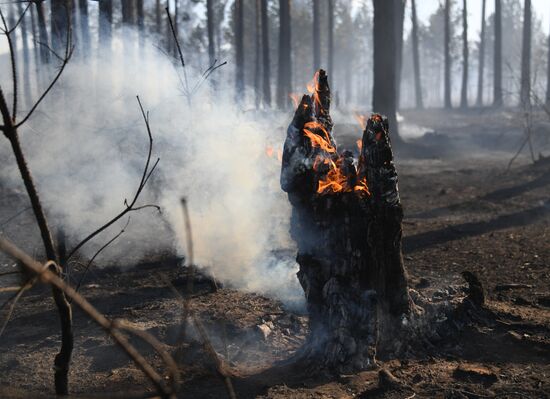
[[346, 221]]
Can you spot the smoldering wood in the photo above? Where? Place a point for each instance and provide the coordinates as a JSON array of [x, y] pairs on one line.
[[349, 243]]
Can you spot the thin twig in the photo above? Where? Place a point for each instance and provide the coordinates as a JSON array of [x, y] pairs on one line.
[[98, 252], [129, 207], [44, 273], [174, 34]]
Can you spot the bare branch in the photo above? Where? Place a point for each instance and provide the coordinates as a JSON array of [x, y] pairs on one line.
[[98, 252], [44, 273], [129, 207], [174, 34]]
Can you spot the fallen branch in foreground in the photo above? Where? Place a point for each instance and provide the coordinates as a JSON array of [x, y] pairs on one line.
[[112, 327]]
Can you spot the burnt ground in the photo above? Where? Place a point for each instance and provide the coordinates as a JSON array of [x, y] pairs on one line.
[[464, 211]]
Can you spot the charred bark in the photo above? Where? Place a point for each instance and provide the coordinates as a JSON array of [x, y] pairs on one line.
[[349, 240]]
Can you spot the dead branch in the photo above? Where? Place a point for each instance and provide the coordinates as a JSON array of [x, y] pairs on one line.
[[98, 252], [180, 54], [45, 275], [129, 207]]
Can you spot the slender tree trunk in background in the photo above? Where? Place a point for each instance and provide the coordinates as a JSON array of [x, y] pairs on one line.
[[526, 56], [266, 85], [59, 21], [44, 53], [497, 76], [158, 16], [105, 24], [140, 22], [416, 57], [36, 39], [239, 50], [84, 28], [383, 92], [257, 67], [128, 12], [481, 71], [447, 54], [316, 35], [548, 75], [465, 56], [331, 39], [284, 73], [399, 25], [74, 18], [210, 30], [26, 56]]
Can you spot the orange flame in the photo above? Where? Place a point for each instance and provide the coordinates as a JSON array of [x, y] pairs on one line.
[[295, 97], [269, 151], [361, 119], [359, 143]]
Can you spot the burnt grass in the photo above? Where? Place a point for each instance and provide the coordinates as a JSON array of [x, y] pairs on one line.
[[463, 211]]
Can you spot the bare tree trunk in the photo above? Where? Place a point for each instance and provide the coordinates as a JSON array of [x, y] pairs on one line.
[[26, 56], [44, 53], [481, 71], [400, 21], [258, 66], [497, 85], [447, 39], [416, 58], [158, 16], [59, 21], [210, 30], [266, 58], [84, 27], [465, 56], [128, 12], [526, 56], [36, 40], [105, 24], [239, 50], [141, 22], [384, 90], [284, 73], [316, 35], [331, 38]]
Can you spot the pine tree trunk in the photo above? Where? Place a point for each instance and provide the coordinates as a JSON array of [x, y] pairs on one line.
[[497, 75], [128, 12], [158, 16], [400, 21], [210, 31], [266, 86], [481, 70], [239, 50], [26, 57], [284, 73], [140, 22], [384, 90], [316, 35], [525, 99], [465, 57], [447, 39], [416, 58], [258, 65], [44, 38], [331, 38], [84, 28], [105, 24], [59, 21]]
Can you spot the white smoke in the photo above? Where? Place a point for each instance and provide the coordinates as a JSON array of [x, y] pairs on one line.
[[87, 145]]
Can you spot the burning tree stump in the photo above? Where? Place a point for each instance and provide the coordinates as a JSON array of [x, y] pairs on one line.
[[346, 221]]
